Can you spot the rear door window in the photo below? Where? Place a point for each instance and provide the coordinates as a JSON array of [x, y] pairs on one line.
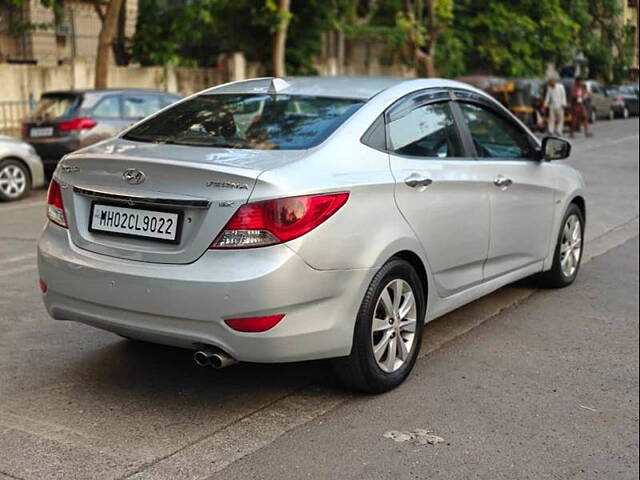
[[140, 106], [427, 131], [108, 107]]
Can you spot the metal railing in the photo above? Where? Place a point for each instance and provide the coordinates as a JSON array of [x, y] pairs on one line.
[[11, 114]]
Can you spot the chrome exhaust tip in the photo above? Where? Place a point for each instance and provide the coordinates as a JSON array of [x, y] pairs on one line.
[[221, 360], [209, 357], [203, 357]]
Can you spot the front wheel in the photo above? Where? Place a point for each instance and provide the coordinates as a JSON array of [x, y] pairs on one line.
[[568, 252], [593, 116], [388, 331]]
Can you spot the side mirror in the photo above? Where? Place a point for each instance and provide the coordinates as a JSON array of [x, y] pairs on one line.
[[555, 148]]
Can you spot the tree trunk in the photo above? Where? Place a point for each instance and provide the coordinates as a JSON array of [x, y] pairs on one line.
[[105, 40], [280, 39]]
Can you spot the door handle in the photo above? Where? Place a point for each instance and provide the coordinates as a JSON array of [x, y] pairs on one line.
[[416, 181], [502, 182]]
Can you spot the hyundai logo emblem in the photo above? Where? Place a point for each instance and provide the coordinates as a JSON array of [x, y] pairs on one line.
[[133, 176]]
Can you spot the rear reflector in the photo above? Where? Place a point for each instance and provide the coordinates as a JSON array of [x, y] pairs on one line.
[[77, 124], [55, 207], [276, 221], [43, 286], [254, 324]]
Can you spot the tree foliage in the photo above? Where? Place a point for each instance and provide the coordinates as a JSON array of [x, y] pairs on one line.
[[452, 37]]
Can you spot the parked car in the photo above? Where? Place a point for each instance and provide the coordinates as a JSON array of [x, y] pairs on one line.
[[64, 121], [600, 104], [625, 97], [339, 222], [20, 169]]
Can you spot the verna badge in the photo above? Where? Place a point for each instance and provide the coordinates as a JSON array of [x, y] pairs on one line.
[[133, 176]]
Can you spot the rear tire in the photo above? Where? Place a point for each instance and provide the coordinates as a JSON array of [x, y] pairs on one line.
[[388, 331], [568, 252], [15, 180]]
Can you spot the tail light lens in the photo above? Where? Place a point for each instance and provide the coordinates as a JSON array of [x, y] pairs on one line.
[[254, 324], [271, 222], [76, 124], [55, 207]]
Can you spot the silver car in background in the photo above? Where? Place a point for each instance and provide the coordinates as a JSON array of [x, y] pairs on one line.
[[333, 223], [64, 121], [20, 169]]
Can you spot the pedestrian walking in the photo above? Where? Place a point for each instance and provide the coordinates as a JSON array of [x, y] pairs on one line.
[[555, 102], [579, 98]]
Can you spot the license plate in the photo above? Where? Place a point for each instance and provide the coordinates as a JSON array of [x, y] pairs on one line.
[[41, 132], [135, 222]]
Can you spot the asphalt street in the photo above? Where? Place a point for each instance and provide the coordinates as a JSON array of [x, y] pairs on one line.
[[521, 384]]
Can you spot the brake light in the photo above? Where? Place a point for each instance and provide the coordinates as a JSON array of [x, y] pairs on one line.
[[276, 221], [76, 124], [254, 324], [55, 207]]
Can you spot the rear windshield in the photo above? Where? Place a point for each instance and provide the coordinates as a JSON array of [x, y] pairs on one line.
[[261, 122], [51, 107]]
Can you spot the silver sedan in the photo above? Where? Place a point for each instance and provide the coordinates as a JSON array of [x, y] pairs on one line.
[[277, 220], [20, 169]]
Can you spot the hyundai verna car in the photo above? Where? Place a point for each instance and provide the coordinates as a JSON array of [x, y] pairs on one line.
[[333, 224]]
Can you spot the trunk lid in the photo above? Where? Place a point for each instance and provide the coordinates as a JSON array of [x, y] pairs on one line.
[[204, 186]]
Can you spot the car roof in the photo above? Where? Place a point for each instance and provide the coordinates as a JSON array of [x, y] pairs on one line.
[[362, 88]]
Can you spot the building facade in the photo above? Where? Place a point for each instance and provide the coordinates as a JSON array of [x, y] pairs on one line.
[[32, 33], [631, 25]]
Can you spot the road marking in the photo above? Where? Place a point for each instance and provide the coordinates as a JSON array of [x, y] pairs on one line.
[[37, 203], [19, 258]]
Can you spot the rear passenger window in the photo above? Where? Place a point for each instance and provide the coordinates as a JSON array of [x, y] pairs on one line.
[[140, 106], [108, 107], [428, 131]]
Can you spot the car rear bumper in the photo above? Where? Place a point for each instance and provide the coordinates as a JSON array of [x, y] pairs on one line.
[[184, 305], [51, 150]]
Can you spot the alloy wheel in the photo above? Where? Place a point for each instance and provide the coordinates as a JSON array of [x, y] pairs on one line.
[[394, 325], [571, 246], [13, 181]]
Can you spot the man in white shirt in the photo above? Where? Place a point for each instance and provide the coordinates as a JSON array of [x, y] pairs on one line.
[[555, 101]]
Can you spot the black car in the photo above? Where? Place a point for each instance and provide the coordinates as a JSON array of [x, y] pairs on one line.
[[625, 97]]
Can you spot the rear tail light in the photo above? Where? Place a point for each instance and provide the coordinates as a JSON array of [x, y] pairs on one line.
[[271, 222], [254, 324], [55, 207], [76, 124]]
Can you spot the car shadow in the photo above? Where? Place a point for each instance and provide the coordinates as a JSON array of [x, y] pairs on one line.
[[157, 370]]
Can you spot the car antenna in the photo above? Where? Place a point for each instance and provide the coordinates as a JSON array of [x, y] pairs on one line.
[[276, 85]]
